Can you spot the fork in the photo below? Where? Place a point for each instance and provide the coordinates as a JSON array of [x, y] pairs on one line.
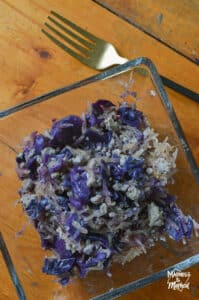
[[93, 51]]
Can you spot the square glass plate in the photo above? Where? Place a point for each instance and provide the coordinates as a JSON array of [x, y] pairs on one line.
[[23, 243]]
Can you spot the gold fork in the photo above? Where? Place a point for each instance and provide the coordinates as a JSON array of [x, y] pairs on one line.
[[93, 51]]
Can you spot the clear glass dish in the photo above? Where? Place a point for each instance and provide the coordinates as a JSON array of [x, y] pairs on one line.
[[23, 242]]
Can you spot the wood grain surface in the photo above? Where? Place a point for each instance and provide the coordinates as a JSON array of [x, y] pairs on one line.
[[30, 64], [174, 23], [23, 48], [158, 290], [7, 290]]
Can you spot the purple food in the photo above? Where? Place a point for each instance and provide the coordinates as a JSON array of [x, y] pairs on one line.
[[95, 189]]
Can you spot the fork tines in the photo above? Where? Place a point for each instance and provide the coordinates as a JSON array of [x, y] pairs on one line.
[[86, 41]]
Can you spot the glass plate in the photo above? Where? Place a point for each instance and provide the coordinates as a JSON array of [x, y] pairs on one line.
[[136, 81]]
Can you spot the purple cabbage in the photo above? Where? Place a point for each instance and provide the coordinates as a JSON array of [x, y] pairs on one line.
[[92, 138], [65, 131], [60, 248], [31, 165], [116, 171], [85, 265], [130, 116], [40, 142], [56, 163], [134, 168], [56, 266], [102, 239], [32, 209], [178, 225], [67, 153], [64, 280], [82, 267], [37, 207], [46, 244], [80, 189], [63, 202], [92, 120], [65, 181], [101, 105], [72, 230], [44, 204], [20, 158], [94, 117], [66, 208]]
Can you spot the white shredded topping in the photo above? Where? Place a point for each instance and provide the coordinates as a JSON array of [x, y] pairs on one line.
[[154, 215], [102, 213], [152, 93]]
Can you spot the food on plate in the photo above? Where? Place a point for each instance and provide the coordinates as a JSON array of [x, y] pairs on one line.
[[95, 188]]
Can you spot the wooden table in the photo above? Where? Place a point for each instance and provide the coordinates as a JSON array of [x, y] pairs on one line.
[[165, 31]]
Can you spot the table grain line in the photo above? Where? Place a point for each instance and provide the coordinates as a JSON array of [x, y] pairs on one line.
[[20, 12], [126, 19], [11, 269], [9, 146]]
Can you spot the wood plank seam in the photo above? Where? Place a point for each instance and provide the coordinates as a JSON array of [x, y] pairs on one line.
[[196, 61]]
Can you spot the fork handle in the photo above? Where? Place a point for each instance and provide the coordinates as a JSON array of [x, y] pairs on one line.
[[171, 84], [180, 88], [121, 60]]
